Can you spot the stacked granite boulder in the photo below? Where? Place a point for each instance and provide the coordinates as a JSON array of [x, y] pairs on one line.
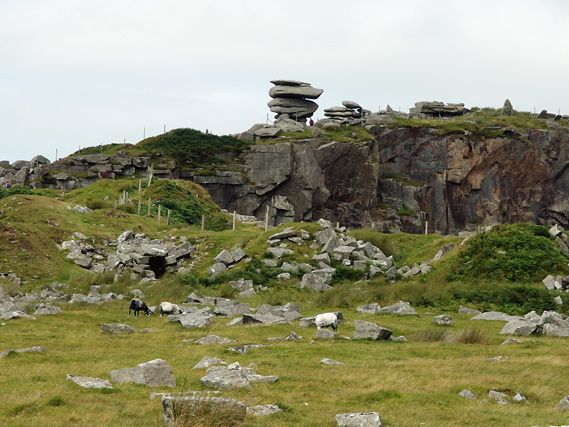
[[350, 113], [291, 100], [426, 110]]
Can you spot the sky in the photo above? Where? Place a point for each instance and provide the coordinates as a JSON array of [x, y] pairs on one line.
[[76, 74]]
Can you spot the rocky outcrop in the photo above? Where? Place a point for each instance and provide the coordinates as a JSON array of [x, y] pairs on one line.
[[403, 180], [292, 99], [426, 109]]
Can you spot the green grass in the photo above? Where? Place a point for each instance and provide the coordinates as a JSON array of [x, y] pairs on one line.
[[405, 382]]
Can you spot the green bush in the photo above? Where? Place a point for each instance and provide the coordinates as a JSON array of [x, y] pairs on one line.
[[517, 299], [189, 147], [515, 253]]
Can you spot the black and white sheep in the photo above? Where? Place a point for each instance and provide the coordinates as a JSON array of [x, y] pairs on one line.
[[137, 306], [169, 308], [326, 320]]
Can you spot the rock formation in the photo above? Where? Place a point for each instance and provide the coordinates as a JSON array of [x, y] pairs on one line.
[[292, 100], [350, 113], [425, 109]]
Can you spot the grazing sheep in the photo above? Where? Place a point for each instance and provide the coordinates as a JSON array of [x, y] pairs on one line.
[[169, 308], [138, 305], [326, 320]]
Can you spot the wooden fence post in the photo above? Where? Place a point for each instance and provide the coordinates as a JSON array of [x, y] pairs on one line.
[[234, 216], [159, 210], [139, 206], [203, 222], [149, 206], [168, 221]]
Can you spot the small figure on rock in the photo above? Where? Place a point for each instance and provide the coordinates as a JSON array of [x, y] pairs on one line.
[[311, 122]]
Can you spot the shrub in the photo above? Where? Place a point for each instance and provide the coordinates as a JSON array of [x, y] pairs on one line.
[[516, 253]]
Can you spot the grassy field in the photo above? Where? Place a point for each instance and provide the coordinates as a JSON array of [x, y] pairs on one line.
[[408, 383]]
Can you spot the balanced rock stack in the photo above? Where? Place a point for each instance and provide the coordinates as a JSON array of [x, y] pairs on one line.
[[346, 114], [291, 99], [425, 110]]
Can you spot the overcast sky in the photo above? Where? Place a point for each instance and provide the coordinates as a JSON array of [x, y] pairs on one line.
[[78, 73]]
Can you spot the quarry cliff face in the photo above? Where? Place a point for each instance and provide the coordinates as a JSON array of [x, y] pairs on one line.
[[405, 179], [408, 179]]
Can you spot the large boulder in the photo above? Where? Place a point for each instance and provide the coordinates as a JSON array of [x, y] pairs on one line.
[[519, 327], [226, 377], [155, 373], [194, 320], [365, 330]]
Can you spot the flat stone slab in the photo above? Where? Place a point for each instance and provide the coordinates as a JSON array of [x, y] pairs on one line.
[[208, 361], [22, 350], [368, 419], [262, 410], [495, 315], [88, 382], [117, 328], [327, 361], [214, 339]]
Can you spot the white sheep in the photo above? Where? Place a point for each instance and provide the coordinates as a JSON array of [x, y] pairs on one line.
[[326, 320], [169, 308]]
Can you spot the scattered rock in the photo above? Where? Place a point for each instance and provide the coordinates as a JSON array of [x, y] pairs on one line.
[[361, 419], [443, 319], [37, 349], [563, 404], [214, 339], [117, 328], [365, 330], [327, 361], [208, 361], [467, 310], [401, 307], [43, 309], [155, 373], [88, 382], [245, 348], [467, 394], [263, 410], [325, 334]]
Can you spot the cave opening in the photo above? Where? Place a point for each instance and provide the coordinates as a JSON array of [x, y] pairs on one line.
[[158, 265]]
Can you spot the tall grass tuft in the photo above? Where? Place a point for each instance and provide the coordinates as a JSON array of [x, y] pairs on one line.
[[201, 412], [471, 336]]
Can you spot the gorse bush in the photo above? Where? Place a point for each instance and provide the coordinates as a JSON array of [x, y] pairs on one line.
[[14, 190], [519, 299], [515, 253], [188, 146]]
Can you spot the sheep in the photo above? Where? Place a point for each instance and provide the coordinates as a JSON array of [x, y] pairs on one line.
[[327, 320], [138, 305], [169, 308]]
